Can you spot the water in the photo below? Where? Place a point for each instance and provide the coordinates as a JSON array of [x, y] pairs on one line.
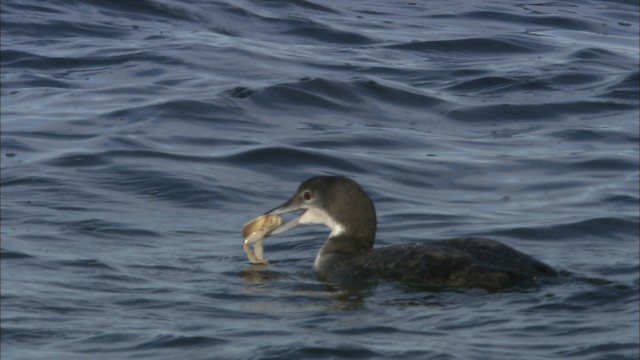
[[138, 138]]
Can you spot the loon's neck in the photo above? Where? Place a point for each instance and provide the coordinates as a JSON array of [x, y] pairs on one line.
[[334, 260], [345, 244]]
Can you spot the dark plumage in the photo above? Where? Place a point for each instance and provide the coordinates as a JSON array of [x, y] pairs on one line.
[[348, 254]]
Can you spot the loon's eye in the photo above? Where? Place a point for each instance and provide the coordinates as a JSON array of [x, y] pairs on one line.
[[307, 195]]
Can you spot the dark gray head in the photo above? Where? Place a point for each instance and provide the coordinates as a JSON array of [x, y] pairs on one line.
[[339, 203]]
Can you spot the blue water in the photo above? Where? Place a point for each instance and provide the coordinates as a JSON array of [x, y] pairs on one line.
[[139, 136]]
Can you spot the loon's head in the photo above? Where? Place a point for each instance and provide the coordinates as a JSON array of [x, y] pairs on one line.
[[339, 203]]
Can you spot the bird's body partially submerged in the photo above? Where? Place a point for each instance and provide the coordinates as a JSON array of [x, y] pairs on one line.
[[348, 254], [460, 262]]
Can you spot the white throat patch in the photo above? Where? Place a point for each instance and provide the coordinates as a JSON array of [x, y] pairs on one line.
[[318, 216]]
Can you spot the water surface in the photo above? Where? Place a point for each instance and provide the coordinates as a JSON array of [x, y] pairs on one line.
[[138, 138]]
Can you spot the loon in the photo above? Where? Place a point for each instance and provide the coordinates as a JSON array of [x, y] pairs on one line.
[[348, 254]]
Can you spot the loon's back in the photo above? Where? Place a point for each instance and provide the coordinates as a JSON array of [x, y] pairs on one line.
[[461, 262]]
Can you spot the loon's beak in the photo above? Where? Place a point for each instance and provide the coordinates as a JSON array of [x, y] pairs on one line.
[[290, 206]]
